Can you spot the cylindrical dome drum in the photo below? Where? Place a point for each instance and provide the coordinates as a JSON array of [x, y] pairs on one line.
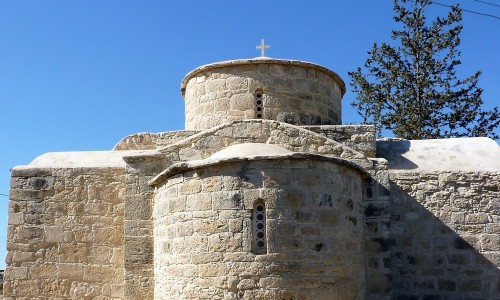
[[289, 91], [274, 228]]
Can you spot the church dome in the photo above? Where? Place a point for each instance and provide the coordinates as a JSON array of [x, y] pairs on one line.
[[290, 91]]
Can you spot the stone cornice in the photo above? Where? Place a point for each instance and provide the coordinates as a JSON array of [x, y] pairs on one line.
[[204, 163], [262, 60]]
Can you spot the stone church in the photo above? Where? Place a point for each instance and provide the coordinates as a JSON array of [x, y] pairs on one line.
[[264, 195]]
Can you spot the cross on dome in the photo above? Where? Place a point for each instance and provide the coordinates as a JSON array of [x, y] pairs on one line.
[[262, 47]]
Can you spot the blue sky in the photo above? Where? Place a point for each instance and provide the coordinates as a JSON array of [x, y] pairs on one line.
[[81, 75]]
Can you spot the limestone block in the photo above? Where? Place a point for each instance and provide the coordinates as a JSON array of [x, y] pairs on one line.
[[203, 258], [85, 290], [16, 218], [221, 104], [227, 200], [40, 183], [242, 102], [235, 225], [242, 268], [29, 233], [211, 269], [53, 234], [212, 183], [199, 202], [278, 70], [17, 273], [490, 242], [199, 90], [215, 85], [211, 142], [191, 187], [73, 252], [221, 242], [275, 178], [117, 257], [109, 236], [44, 270], [117, 291], [477, 218], [237, 83]]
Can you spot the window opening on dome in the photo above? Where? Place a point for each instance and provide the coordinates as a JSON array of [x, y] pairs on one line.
[[259, 228], [258, 103]]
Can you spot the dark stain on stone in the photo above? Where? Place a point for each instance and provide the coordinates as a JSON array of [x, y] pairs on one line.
[[354, 220], [325, 200]]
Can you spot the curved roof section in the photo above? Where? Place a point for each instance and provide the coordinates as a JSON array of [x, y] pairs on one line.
[[206, 163], [287, 136], [262, 60], [249, 150]]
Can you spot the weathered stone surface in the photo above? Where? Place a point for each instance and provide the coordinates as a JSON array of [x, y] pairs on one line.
[[288, 93], [448, 250], [180, 215], [297, 238]]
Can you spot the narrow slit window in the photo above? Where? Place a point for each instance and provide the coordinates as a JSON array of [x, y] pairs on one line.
[[259, 228], [259, 108]]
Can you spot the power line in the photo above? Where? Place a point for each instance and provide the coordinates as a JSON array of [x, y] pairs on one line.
[[487, 3], [4, 195], [469, 11]]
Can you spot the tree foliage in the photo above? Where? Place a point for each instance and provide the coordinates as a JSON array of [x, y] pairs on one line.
[[412, 89]]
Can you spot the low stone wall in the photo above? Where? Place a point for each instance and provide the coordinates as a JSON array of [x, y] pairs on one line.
[[151, 141], [444, 236], [290, 137], [361, 138], [65, 234], [358, 137], [138, 247]]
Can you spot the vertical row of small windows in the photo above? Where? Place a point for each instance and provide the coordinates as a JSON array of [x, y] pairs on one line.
[[258, 104], [259, 228]]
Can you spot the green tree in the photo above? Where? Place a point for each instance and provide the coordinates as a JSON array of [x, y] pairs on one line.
[[412, 89]]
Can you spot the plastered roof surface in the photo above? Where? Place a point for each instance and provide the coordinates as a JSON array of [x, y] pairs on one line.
[[249, 150], [456, 154], [84, 159]]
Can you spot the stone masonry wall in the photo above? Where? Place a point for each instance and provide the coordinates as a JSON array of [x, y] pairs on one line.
[[294, 93], [138, 247], [445, 236], [65, 234], [377, 224], [151, 141], [293, 138], [138, 200], [358, 137], [203, 232]]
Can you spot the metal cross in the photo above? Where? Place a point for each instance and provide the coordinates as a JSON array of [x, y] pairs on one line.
[[262, 46]]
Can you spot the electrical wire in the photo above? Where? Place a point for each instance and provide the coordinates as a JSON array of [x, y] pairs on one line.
[[4, 195], [469, 11], [493, 4]]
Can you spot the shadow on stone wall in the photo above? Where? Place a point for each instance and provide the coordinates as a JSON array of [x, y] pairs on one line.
[[425, 258], [393, 151]]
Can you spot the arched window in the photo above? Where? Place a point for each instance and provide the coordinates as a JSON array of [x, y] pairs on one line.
[[259, 104], [259, 228]]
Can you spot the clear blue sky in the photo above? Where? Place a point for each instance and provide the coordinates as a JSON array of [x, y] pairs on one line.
[[81, 75]]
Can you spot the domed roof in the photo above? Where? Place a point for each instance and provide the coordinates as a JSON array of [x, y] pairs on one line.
[[262, 60], [249, 150]]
